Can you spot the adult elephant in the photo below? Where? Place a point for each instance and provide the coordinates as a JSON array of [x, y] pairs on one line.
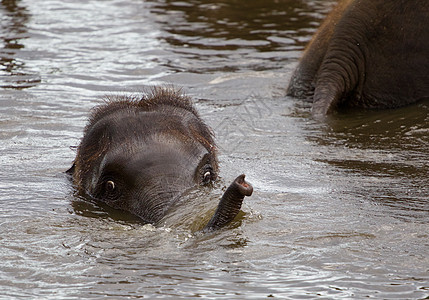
[[369, 54], [141, 154]]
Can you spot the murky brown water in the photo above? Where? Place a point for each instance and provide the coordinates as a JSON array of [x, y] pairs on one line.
[[340, 209]]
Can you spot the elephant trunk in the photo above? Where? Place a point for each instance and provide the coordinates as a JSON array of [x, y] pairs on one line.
[[230, 204]]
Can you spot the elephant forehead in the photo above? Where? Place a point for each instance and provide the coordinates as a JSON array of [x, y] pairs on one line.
[[154, 159], [164, 158]]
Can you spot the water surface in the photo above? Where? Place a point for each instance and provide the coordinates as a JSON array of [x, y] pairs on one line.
[[340, 208]]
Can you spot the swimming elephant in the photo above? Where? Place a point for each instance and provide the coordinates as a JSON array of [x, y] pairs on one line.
[[369, 54], [141, 154]]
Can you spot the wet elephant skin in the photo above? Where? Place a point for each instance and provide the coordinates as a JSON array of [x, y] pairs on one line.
[[140, 155], [367, 54]]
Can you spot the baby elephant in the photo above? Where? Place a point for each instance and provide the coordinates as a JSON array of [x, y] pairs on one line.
[[367, 53], [140, 155]]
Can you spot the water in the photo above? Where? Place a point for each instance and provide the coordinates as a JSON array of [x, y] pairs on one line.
[[340, 208]]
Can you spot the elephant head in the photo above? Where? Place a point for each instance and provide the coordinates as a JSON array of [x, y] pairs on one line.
[[140, 155]]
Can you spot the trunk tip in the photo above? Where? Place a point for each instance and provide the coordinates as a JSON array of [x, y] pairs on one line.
[[245, 188]]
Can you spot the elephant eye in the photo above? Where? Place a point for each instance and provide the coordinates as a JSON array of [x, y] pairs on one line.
[[207, 177], [110, 186]]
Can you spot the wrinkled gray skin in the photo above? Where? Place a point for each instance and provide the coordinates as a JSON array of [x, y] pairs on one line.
[[230, 204], [369, 54], [140, 155]]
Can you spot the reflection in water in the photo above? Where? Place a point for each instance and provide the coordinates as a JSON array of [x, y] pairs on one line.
[[13, 30], [96, 209], [237, 34], [387, 151]]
